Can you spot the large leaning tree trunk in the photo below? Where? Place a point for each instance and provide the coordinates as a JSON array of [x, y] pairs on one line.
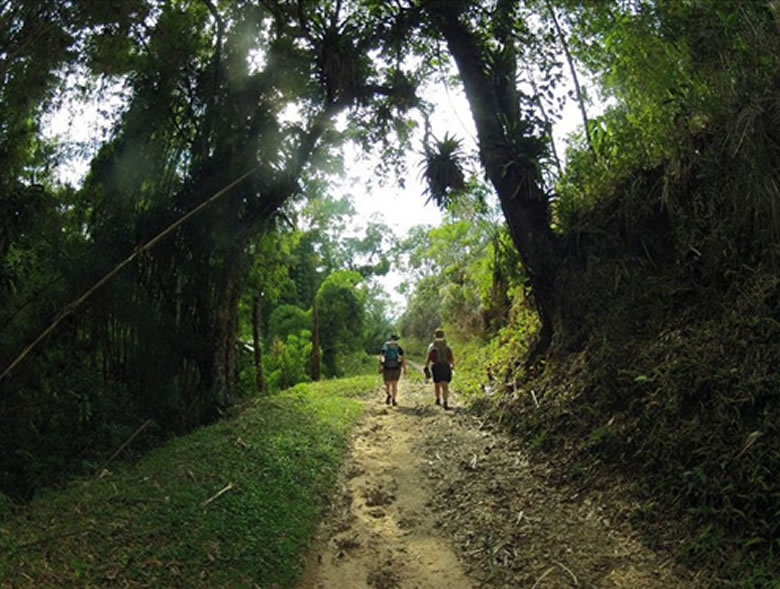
[[509, 153]]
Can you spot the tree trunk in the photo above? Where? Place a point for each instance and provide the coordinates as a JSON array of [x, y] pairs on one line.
[[315, 342], [225, 331], [256, 344], [510, 161]]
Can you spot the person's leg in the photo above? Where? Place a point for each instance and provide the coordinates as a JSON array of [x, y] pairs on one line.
[[394, 387], [446, 376], [388, 396], [436, 374]]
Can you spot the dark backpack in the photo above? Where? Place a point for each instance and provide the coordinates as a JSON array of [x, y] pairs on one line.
[[442, 351], [392, 355]]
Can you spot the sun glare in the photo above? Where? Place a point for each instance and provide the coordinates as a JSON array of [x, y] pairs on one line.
[[81, 121], [256, 60]]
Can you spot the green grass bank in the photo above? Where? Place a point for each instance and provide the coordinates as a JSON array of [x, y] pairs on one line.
[[230, 505]]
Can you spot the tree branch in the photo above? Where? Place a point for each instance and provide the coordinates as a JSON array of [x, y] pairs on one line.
[[574, 77]]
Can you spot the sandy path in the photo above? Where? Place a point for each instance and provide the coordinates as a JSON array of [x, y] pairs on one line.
[[381, 532], [432, 499]]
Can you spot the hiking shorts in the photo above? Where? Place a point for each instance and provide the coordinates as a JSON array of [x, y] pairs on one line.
[[442, 372], [392, 374]]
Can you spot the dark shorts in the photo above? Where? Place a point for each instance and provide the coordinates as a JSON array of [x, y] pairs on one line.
[[442, 373], [391, 374]]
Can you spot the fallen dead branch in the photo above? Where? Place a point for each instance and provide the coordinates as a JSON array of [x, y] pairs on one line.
[[551, 569], [124, 445], [218, 494], [573, 578], [540, 579]]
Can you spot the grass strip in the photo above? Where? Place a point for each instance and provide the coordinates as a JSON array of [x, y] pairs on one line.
[[231, 505]]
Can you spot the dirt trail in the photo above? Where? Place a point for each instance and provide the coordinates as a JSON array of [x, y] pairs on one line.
[[430, 499]]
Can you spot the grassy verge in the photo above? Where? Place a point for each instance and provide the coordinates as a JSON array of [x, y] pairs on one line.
[[231, 505]]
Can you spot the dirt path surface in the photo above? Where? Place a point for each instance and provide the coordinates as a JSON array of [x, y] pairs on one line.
[[431, 499]]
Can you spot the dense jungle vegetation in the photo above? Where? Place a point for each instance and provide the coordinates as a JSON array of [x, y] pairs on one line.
[[618, 307]]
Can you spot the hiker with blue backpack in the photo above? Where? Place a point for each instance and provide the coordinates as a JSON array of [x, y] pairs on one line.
[[391, 363], [441, 361]]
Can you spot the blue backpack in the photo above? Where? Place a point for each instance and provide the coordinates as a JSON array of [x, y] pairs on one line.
[[392, 355]]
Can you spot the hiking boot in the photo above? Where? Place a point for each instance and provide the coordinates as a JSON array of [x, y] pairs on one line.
[[394, 403], [438, 401], [387, 400], [445, 405]]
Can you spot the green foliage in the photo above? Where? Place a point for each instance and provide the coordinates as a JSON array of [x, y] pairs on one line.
[[341, 309], [289, 265], [199, 109], [684, 74], [687, 408], [37, 40], [668, 290], [487, 372], [379, 311], [619, 153], [286, 320], [671, 295], [288, 359], [666, 296], [423, 311], [360, 385], [465, 269], [511, 343], [360, 364], [161, 521]]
